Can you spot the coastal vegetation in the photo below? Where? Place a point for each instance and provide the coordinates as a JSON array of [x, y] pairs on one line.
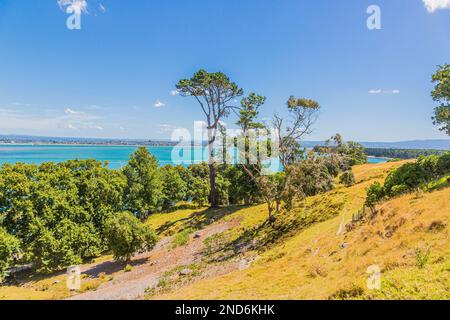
[[401, 153], [56, 215]]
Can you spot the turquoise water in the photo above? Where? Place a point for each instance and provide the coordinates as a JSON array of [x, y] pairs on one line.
[[117, 157], [378, 160]]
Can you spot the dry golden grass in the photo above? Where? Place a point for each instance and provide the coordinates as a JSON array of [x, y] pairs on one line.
[[316, 262]]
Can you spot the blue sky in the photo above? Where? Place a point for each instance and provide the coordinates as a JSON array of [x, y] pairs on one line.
[[114, 77]]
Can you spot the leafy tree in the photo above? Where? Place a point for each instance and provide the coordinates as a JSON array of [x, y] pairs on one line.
[[441, 94], [174, 186], [215, 94], [302, 113], [443, 164], [144, 190], [223, 189], [199, 191], [58, 211], [9, 247], [375, 193], [407, 177], [127, 236], [242, 189], [351, 153]]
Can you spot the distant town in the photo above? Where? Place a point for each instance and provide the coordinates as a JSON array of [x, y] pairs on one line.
[[443, 144]]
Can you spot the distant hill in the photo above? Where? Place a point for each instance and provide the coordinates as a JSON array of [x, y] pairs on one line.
[[413, 144]]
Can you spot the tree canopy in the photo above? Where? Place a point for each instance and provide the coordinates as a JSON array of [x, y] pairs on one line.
[[441, 94]]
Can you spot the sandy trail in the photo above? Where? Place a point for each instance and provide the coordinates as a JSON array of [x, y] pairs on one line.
[[147, 267]]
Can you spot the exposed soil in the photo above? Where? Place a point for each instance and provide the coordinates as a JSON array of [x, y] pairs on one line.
[[150, 266]]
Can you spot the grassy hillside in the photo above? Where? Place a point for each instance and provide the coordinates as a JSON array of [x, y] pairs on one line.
[[312, 252], [408, 241]]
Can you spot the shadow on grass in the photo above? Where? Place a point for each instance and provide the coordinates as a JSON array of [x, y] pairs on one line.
[[263, 236], [199, 220]]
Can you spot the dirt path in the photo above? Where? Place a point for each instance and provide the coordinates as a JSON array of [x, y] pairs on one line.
[[147, 267]]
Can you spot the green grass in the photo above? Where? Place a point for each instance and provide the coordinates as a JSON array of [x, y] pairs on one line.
[[181, 238], [443, 182]]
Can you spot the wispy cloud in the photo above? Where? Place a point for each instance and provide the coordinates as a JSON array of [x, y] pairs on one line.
[[72, 112], [74, 6], [159, 104], [434, 5], [166, 128], [174, 92], [381, 91]]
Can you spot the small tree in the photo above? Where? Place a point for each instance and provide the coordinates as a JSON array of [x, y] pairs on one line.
[[441, 94], [347, 178], [174, 186], [9, 246], [126, 236], [375, 193], [302, 113], [144, 188]]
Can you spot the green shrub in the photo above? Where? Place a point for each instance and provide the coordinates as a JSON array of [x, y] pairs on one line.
[[443, 164], [9, 246], [399, 190], [375, 193], [347, 178], [181, 238], [127, 236]]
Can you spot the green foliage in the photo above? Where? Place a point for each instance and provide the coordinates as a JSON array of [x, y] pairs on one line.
[[347, 178], [181, 238], [375, 193], [175, 187], [310, 177], [350, 153], [58, 211], [242, 189], [422, 255], [441, 94], [407, 177], [200, 190], [126, 236], [427, 173], [401, 153], [443, 164], [249, 112], [144, 190], [9, 246]]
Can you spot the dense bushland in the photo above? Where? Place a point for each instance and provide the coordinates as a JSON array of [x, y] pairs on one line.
[[57, 215], [410, 177]]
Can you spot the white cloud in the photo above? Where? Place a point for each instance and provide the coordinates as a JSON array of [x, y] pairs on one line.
[[434, 5], [71, 126], [174, 92], [159, 104], [380, 91], [71, 112], [74, 6], [102, 7]]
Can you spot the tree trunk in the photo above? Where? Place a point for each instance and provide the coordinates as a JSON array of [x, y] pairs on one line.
[[212, 170], [212, 183]]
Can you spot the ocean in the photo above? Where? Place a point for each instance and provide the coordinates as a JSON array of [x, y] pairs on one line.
[[117, 156]]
